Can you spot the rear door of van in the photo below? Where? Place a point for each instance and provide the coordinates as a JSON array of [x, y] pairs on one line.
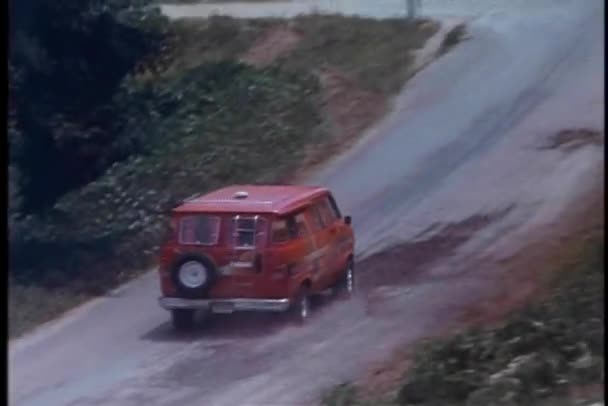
[[241, 270]]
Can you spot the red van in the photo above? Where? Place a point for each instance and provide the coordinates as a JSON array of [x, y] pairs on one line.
[[255, 248]]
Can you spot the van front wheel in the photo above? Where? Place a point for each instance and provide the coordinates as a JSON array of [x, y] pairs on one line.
[[182, 319], [347, 281]]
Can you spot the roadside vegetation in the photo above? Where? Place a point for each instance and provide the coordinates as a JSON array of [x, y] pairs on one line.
[[104, 143], [549, 353]]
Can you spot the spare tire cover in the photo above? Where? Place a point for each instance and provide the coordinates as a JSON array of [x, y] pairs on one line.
[[193, 274]]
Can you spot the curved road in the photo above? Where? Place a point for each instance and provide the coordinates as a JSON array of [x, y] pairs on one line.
[[465, 138]]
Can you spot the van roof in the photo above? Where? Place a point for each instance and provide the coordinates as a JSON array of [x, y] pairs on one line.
[[253, 199]]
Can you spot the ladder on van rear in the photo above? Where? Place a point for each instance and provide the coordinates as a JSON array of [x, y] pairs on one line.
[[245, 241]]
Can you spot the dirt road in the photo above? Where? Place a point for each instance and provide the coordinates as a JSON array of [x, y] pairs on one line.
[[462, 152]]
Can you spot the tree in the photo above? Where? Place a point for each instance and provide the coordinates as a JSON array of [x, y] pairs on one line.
[[67, 60]]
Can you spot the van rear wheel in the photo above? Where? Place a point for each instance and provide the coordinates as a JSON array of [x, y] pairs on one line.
[[300, 308], [182, 319]]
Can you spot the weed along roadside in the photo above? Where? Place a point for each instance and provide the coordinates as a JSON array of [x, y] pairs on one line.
[[220, 101]]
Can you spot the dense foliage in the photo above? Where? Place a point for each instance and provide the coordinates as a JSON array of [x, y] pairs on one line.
[[185, 128], [100, 148], [539, 353], [66, 62]]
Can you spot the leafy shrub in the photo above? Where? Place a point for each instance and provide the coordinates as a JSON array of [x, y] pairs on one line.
[[537, 353], [184, 127], [66, 61]]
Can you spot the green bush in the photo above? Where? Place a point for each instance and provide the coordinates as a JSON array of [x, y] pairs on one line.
[[184, 127], [67, 60], [538, 353]]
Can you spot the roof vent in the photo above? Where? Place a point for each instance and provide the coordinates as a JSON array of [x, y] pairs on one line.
[[241, 195]]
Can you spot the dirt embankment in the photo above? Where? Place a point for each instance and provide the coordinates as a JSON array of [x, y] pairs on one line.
[[349, 104], [348, 108], [273, 44]]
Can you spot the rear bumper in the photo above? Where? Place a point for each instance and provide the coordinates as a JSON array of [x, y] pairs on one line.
[[225, 305]]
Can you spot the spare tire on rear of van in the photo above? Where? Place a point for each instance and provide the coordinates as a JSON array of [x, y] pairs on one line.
[[193, 275]]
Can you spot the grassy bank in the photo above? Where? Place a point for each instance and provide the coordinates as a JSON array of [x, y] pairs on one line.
[[549, 353], [114, 225], [222, 104]]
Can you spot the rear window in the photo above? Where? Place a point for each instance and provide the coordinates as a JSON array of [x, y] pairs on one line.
[[199, 229]]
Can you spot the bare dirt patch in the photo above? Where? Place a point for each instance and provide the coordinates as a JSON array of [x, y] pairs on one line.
[[348, 111], [194, 42], [351, 109], [383, 378], [275, 43], [549, 250], [405, 263]]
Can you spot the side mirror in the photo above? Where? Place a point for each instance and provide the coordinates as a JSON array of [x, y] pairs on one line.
[[348, 220]]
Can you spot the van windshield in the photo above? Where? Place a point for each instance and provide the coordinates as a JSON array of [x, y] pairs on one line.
[[199, 229]]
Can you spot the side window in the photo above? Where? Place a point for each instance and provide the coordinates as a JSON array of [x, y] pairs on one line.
[[199, 229], [334, 206], [301, 229], [290, 228], [280, 233], [326, 212], [317, 219]]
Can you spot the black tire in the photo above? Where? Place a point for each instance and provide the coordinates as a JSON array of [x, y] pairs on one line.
[[299, 312], [347, 283], [182, 319], [198, 291]]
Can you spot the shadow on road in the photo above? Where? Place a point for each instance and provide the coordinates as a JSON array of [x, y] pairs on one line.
[[220, 326]]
